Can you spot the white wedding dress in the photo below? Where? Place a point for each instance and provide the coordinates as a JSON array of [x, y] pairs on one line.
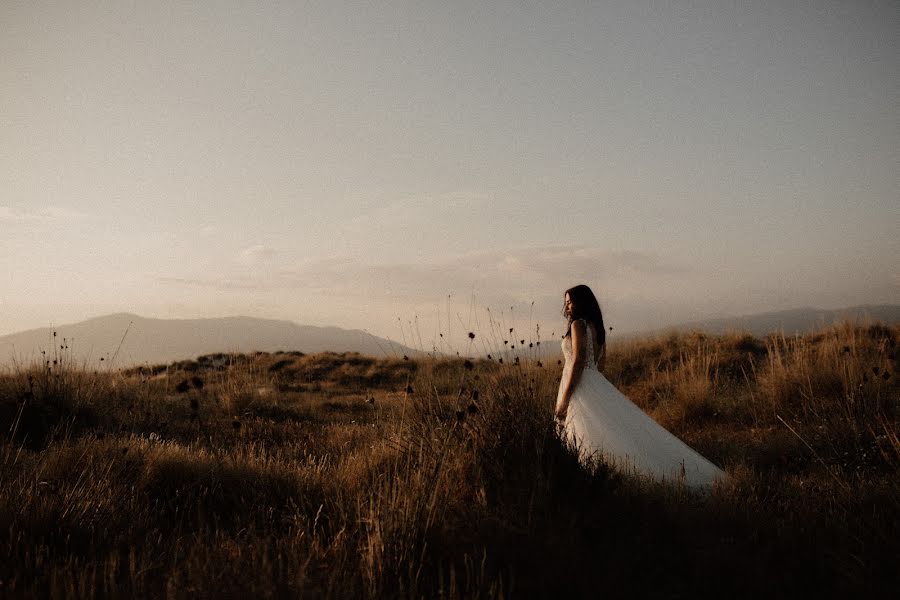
[[601, 421]]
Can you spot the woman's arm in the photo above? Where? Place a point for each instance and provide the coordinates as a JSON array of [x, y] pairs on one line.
[[579, 337]]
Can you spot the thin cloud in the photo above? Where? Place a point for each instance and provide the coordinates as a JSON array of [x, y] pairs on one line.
[[521, 274], [48, 214], [220, 284], [428, 208], [256, 255]]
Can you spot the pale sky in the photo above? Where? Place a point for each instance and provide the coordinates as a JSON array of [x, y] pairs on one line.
[[354, 164]]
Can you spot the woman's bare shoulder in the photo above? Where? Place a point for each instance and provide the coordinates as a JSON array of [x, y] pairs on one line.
[[580, 335]]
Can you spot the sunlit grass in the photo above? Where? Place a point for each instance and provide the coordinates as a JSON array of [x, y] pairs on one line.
[[286, 474]]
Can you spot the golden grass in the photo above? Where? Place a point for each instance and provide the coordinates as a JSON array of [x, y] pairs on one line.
[[270, 475]]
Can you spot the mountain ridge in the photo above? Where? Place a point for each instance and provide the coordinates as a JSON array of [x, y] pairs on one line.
[[132, 339], [791, 321]]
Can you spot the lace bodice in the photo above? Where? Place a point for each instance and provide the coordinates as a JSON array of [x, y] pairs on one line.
[[590, 361]]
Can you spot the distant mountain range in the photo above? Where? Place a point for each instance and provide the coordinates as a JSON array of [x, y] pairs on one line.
[[126, 339], [130, 339], [791, 322], [800, 320]]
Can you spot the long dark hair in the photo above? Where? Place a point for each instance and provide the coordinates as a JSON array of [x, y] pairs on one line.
[[585, 306]]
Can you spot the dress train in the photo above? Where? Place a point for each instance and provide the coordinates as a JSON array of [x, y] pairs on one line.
[[601, 420]]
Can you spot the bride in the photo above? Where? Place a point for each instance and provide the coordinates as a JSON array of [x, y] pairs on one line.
[[599, 420]]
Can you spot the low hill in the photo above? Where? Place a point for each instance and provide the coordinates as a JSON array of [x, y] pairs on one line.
[[130, 339], [343, 476]]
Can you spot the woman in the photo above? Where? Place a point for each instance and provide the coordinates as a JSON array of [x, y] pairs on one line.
[[599, 419]]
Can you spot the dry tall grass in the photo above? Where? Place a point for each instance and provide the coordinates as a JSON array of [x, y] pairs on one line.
[[284, 474]]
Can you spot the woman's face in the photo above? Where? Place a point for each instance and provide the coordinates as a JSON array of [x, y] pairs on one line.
[[567, 306]]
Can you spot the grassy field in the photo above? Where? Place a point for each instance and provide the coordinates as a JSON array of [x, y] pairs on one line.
[[284, 475]]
